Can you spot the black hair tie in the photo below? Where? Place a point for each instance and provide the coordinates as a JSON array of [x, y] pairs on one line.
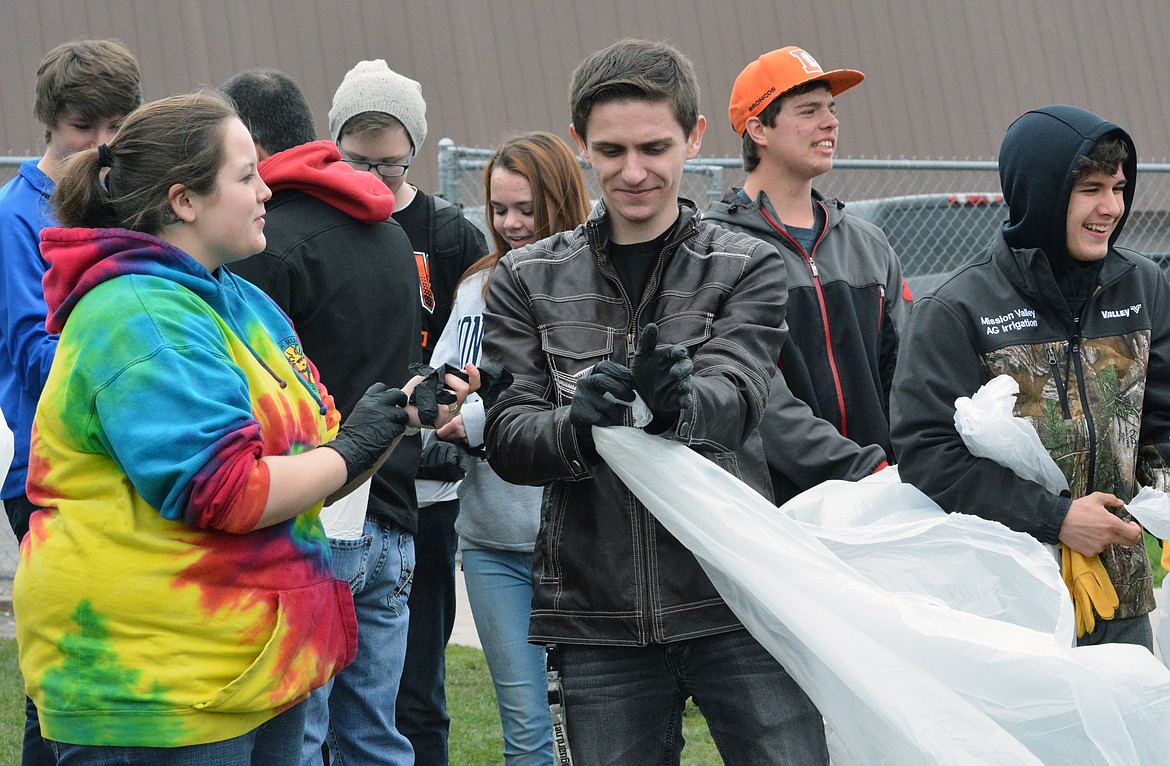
[[104, 158]]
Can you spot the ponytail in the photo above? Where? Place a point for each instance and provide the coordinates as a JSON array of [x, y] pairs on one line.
[[81, 197], [176, 140]]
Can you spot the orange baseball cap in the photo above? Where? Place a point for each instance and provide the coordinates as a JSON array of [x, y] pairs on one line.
[[775, 73]]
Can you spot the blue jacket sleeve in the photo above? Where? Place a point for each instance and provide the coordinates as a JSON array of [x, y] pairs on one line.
[[30, 347]]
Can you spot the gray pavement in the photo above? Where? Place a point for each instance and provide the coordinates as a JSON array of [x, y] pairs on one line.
[[9, 556]]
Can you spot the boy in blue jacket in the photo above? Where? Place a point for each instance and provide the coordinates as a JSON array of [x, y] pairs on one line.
[[84, 89]]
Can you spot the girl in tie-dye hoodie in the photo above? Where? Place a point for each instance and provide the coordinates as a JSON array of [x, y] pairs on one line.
[[176, 589]]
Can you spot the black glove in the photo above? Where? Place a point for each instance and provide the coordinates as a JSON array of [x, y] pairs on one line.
[[662, 375], [441, 460], [376, 421], [430, 392], [590, 407]]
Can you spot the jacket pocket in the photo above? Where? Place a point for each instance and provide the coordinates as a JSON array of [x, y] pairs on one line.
[[314, 638], [686, 328], [572, 348]]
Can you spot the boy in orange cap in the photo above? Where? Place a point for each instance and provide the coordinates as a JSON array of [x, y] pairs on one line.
[[827, 415]]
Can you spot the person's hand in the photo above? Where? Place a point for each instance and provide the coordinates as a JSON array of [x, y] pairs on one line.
[[453, 431], [376, 421], [591, 407], [1089, 526], [437, 396], [443, 461], [458, 385], [662, 375]]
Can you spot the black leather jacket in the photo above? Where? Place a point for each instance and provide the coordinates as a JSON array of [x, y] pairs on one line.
[[605, 571]]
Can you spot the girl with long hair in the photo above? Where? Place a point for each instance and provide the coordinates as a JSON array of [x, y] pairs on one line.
[[174, 596], [534, 189]]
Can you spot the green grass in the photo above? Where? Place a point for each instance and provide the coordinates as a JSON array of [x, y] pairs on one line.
[[476, 739], [11, 704], [1155, 551]]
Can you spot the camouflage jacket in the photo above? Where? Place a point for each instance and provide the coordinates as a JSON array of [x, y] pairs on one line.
[[1097, 389]]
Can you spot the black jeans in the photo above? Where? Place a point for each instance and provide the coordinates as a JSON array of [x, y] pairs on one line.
[[34, 750], [18, 510], [422, 699]]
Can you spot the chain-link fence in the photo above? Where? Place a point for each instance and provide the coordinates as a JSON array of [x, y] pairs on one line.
[[936, 213]]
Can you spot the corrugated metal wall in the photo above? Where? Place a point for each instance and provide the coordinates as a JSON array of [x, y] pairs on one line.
[[944, 77]]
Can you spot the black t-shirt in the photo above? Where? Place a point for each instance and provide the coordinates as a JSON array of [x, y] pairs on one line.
[[635, 262], [445, 245]]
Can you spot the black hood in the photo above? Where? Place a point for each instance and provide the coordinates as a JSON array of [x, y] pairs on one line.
[[1036, 165]]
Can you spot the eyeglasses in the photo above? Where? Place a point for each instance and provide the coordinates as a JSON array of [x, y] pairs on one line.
[[384, 169]]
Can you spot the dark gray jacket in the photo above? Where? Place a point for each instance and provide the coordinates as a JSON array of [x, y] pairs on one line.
[[605, 571], [828, 412]]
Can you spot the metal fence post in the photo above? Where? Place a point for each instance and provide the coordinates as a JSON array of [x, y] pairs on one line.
[[449, 171]]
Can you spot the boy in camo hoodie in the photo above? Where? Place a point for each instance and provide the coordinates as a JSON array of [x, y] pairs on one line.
[[1084, 327]]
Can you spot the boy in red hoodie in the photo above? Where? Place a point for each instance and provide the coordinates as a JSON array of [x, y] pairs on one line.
[[344, 272]]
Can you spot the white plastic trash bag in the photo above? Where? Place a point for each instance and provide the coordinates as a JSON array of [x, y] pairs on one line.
[[346, 518], [1152, 509], [989, 430], [969, 666], [7, 448]]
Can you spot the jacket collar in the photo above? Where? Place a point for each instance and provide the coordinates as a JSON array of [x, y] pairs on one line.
[[597, 227], [736, 202], [1028, 269]]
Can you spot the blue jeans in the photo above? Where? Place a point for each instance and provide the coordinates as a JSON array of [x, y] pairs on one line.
[[623, 705], [422, 698], [276, 742], [499, 588], [354, 712]]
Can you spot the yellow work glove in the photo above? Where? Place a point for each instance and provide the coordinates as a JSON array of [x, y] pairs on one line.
[[1166, 555], [1090, 587]]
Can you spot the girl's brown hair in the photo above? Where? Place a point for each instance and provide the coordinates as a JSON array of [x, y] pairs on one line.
[[560, 200], [176, 140]]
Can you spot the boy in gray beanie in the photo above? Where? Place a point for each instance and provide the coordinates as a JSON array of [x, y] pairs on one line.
[[378, 121]]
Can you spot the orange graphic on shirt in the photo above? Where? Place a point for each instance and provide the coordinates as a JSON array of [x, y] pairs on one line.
[[426, 294]]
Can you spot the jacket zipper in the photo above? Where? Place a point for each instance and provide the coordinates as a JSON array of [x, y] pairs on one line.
[[642, 522], [1061, 391], [816, 279], [1091, 474], [1073, 354]]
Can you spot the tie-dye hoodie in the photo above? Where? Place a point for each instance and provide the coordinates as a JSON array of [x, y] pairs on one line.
[[148, 613]]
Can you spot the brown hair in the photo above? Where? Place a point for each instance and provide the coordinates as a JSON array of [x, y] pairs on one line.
[[560, 201], [750, 149], [1107, 156], [98, 78], [370, 122], [639, 70], [177, 140]]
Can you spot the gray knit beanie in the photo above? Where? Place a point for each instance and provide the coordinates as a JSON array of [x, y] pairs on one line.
[[372, 86]]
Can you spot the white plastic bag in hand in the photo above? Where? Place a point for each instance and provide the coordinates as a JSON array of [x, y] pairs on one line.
[[989, 430], [901, 674]]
